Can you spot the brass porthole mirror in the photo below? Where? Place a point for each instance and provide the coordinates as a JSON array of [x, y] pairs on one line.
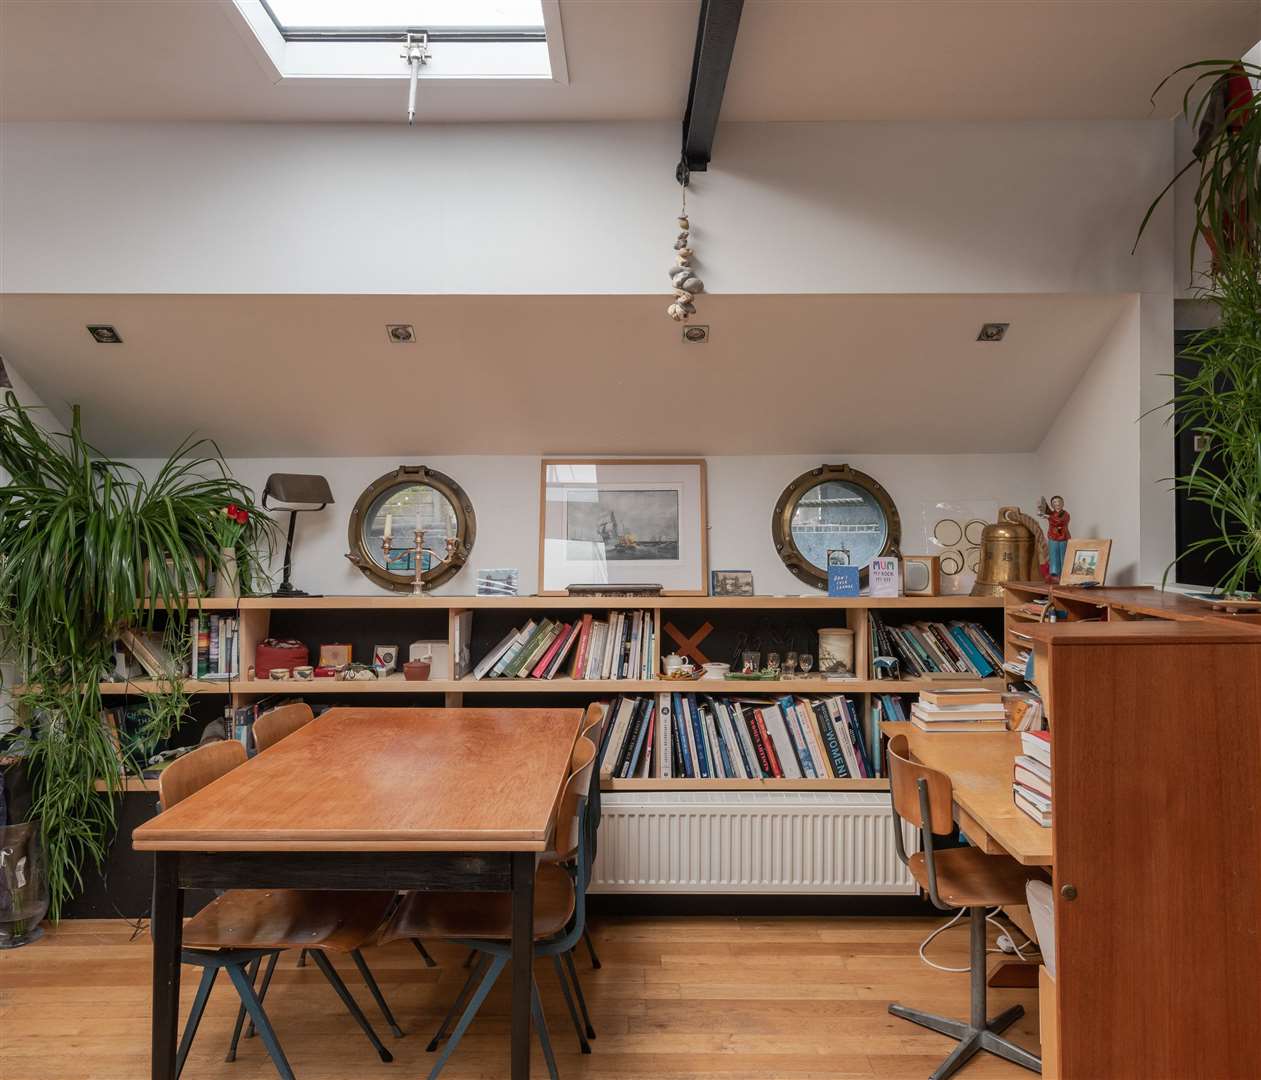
[[834, 508], [425, 515]]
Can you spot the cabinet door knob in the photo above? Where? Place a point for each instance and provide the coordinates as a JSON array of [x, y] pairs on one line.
[[1069, 892]]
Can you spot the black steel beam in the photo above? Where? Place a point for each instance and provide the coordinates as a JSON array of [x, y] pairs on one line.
[[715, 43]]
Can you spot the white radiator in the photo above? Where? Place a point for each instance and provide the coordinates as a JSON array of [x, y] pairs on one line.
[[748, 842]]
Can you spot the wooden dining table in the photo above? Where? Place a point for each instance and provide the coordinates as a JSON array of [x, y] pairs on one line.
[[436, 800]]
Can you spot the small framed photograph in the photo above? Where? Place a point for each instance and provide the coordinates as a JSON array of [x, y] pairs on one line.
[[731, 583], [501, 582], [1086, 562]]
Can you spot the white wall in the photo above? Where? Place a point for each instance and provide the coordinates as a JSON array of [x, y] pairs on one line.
[[580, 208], [1091, 456], [742, 494]]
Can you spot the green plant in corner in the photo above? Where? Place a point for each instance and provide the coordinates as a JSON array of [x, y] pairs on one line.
[[84, 538], [1221, 400]]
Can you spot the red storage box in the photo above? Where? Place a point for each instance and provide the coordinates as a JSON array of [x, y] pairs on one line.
[[273, 653]]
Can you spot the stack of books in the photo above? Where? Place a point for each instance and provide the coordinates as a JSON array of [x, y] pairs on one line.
[[1031, 782], [698, 736], [619, 647], [965, 649], [959, 710]]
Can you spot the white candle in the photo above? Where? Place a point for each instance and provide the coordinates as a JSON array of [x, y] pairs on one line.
[[389, 526]]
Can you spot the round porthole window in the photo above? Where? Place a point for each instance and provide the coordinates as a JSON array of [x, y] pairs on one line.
[[834, 509], [413, 499]]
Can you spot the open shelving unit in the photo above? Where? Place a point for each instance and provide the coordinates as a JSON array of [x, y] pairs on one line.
[[400, 619]]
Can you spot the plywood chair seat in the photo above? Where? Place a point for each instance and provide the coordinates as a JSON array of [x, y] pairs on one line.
[[288, 919], [966, 876], [485, 915]]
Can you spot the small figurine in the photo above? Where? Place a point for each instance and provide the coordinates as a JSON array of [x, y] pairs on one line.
[[1057, 533]]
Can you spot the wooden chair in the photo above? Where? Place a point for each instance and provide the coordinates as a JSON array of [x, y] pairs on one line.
[[955, 878], [483, 921], [236, 930], [592, 729], [275, 724], [269, 729]]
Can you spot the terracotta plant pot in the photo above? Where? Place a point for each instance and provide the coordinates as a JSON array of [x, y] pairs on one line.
[[416, 670]]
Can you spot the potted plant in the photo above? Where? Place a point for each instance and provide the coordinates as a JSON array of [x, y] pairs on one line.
[[83, 538], [1221, 398]]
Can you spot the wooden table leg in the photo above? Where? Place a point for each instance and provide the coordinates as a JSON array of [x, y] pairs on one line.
[[166, 927], [522, 960]]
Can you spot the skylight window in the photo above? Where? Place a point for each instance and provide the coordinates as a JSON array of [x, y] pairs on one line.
[[440, 18], [361, 39]]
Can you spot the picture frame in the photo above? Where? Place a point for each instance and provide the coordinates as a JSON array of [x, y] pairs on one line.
[[731, 583], [1086, 562], [623, 521]]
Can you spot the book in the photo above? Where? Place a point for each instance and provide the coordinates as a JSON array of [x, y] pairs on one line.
[[964, 695], [700, 749], [595, 651], [1028, 779], [749, 723], [616, 738], [558, 658], [684, 729], [1037, 744], [150, 651], [462, 644], [831, 744], [665, 716], [491, 658], [519, 668], [549, 653], [1025, 803], [959, 726], [1034, 766], [578, 671], [513, 649], [840, 724], [773, 721], [797, 733], [929, 714]]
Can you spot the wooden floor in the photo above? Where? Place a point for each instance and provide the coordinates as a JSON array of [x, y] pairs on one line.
[[719, 998]]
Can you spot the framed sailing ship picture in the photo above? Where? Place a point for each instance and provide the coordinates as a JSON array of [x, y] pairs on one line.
[[623, 522]]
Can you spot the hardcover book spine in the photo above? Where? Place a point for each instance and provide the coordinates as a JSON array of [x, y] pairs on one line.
[[766, 748], [830, 742], [704, 767], [685, 741]]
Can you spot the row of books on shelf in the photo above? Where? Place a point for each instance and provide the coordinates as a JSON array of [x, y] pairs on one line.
[[923, 648], [1031, 779], [696, 736], [617, 647], [214, 651]]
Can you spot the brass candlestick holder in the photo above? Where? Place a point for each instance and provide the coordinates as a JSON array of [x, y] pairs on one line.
[[418, 550]]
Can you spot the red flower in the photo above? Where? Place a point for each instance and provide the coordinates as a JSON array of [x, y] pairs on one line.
[[231, 510], [241, 516]]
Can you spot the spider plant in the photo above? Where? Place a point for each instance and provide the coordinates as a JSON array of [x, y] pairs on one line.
[[83, 538], [1221, 398]]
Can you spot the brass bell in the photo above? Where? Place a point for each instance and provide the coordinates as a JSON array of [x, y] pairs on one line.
[[1008, 553]]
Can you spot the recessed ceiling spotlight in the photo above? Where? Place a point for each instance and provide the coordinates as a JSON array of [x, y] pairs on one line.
[[401, 333], [696, 335], [105, 335], [993, 331]]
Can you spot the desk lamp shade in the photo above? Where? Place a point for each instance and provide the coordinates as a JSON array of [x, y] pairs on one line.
[[295, 492]]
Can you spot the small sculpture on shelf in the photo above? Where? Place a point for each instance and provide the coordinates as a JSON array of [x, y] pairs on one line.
[[1057, 534]]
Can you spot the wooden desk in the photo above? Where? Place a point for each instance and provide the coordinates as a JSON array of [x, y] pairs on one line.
[[425, 799], [979, 765]]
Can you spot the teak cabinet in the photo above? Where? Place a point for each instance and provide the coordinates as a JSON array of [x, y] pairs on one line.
[[1156, 768]]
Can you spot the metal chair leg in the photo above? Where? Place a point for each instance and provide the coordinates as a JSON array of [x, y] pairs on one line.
[[583, 1045], [458, 1004], [497, 965], [424, 953], [335, 981], [540, 1024], [255, 1008], [208, 976], [582, 1000], [595, 959], [252, 972], [262, 993], [979, 1033], [375, 991]]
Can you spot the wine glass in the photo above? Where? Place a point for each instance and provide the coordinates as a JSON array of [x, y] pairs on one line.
[[772, 662], [790, 664], [805, 661]]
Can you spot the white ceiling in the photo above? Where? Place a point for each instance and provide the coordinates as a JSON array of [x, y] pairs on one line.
[[631, 59], [294, 376]]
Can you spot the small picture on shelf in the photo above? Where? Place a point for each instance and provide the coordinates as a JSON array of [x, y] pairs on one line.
[[502, 582], [843, 577], [1086, 562], [731, 583]]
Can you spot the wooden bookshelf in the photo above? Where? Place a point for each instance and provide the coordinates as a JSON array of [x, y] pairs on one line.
[[315, 619]]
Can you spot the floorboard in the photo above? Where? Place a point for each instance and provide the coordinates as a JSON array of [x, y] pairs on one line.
[[705, 997]]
